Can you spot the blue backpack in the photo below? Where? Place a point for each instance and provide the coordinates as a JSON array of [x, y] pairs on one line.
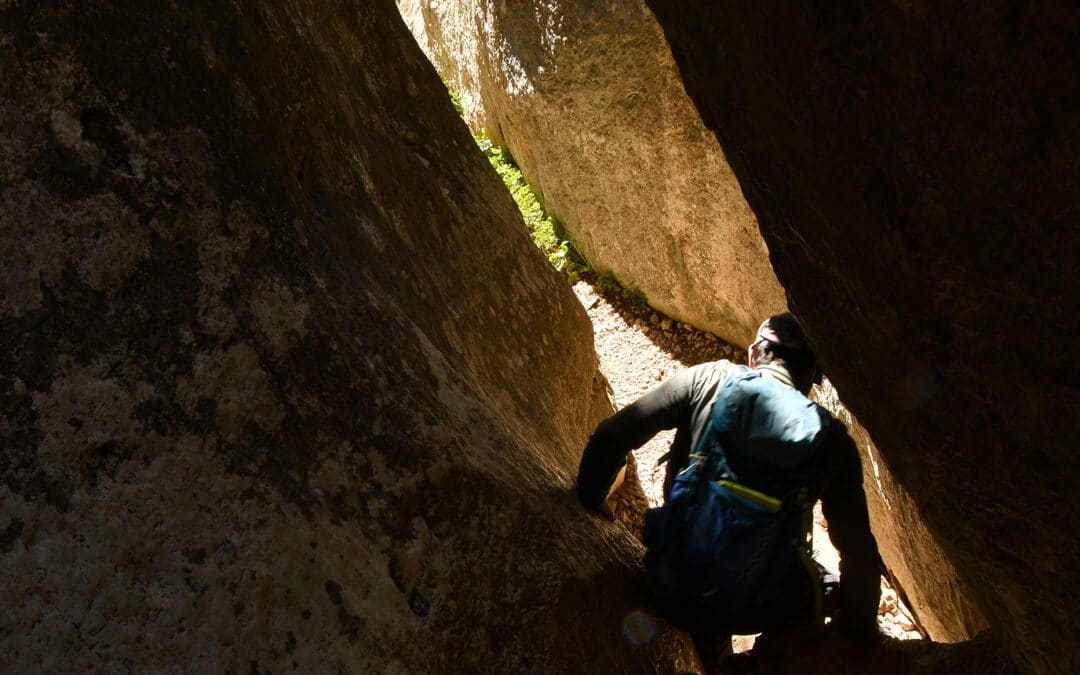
[[738, 518]]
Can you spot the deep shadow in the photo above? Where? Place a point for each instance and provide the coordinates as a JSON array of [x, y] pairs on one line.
[[622, 630], [815, 651]]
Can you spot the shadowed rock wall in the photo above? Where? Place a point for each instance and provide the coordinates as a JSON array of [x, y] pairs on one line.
[[283, 383], [587, 97], [917, 566], [914, 169], [588, 100]]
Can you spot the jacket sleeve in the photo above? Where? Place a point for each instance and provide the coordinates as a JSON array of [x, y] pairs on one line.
[[844, 507], [626, 430]]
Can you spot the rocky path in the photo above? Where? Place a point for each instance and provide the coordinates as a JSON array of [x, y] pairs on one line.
[[638, 347]]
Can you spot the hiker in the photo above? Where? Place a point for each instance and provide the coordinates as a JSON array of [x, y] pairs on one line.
[[769, 454]]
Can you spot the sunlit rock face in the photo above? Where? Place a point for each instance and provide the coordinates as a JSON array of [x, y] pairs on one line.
[[284, 385], [587, 97], [914, 171]]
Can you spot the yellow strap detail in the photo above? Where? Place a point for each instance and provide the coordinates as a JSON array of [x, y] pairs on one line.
[[752, 495]]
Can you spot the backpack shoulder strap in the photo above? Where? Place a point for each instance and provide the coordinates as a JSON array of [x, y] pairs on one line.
[[740, 372], [722, 419]]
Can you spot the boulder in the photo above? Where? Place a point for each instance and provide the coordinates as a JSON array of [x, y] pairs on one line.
[[283, 383], [916, 566], [588, 99], [577, 124], [913, 168]]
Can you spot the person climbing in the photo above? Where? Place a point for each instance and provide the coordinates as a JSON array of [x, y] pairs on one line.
[[728, 552]]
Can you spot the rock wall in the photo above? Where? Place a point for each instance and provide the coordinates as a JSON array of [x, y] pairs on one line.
[[913, 168], [283, 383], [917, 566], [587, 97]]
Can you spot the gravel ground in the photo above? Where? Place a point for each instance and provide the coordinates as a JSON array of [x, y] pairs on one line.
[[639, 347]]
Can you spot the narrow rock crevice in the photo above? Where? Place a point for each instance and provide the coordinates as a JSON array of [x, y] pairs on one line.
[[284, 385]]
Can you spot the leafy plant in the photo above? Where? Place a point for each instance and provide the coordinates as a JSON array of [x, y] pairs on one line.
[[547, 232], [607, 284], [455, 98], [549, 235]]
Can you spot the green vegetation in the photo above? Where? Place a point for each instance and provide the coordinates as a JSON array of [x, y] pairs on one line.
[[455, 98], [635, 296], [607, 284], [547, 232]]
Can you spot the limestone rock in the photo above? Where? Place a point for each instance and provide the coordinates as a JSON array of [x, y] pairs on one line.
[[587, 97], [283, 384], [913, 167]]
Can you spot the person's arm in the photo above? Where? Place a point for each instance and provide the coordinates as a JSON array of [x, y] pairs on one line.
[[844, 507], [605, 455]]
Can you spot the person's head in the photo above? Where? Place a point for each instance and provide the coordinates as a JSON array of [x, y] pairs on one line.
[[780, 341]]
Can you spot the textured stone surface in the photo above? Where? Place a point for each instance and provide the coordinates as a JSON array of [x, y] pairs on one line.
[[914, 170], [283, 383], [587, 97], [546, 114], [917, 566]]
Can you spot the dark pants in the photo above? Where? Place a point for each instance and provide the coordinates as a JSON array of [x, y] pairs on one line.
[[796, 605]]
